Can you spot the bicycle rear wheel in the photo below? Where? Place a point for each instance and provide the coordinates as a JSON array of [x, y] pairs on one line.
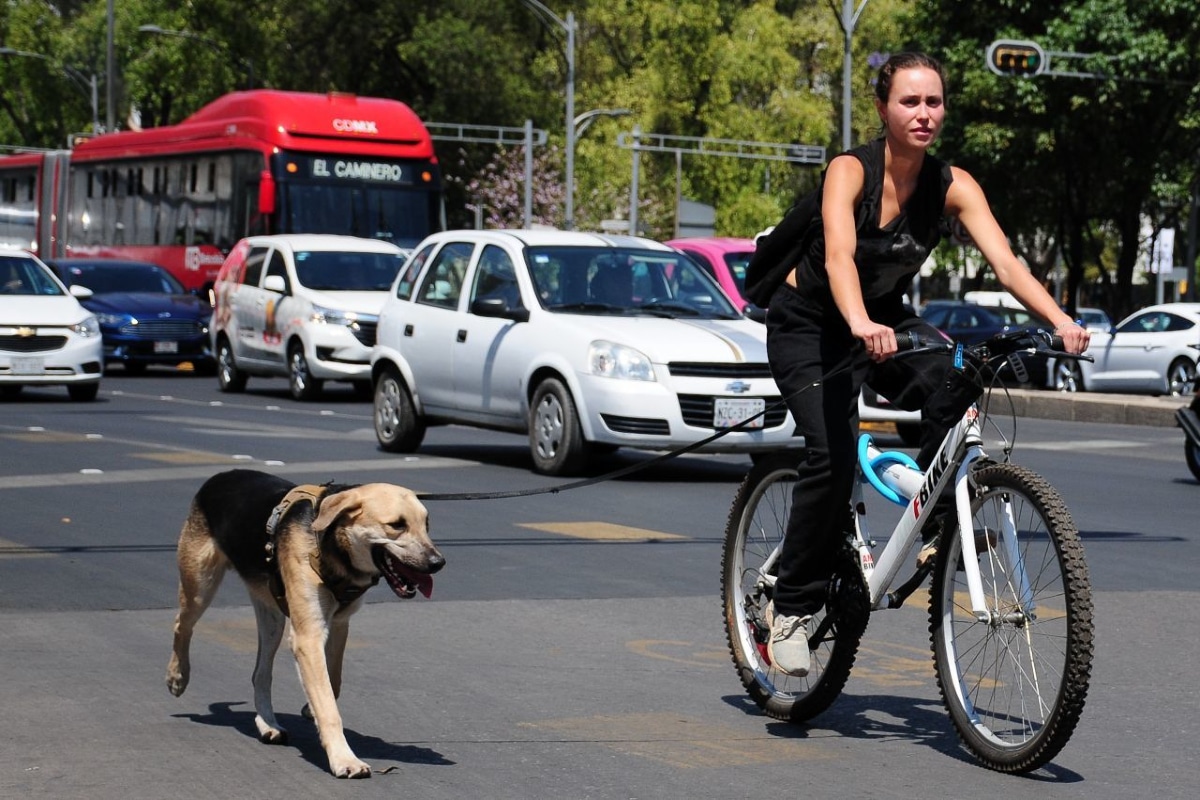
[[1014, 683], [753, 534]]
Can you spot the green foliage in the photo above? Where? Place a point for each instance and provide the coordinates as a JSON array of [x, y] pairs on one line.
[[1071, 165]]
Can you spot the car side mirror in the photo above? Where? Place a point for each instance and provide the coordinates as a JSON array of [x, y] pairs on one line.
[[498, 308], [755, 313], [275, 283], [80, 292]]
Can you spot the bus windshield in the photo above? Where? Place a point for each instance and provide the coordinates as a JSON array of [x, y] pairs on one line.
[[400, 215]]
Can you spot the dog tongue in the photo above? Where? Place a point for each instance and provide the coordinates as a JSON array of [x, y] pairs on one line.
[[400, 578]]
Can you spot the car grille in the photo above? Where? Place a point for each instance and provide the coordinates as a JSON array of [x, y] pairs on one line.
[[689, 369], [642, 425], [365, 332], [697, 410], [164, 329], [32, 344]]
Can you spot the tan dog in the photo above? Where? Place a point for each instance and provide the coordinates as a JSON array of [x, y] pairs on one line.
[[308, 552]]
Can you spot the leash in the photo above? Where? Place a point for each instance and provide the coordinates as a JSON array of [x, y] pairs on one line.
[[620, 473]]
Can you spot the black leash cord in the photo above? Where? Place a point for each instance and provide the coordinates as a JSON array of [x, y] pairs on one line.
[[620, 473]]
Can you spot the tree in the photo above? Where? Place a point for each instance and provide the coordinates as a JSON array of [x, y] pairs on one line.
[[1085, 158]]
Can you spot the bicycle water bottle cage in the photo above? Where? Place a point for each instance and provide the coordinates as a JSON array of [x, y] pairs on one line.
[[872, 466]]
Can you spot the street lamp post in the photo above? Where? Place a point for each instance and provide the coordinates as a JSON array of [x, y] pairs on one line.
[[84, 83], [568, 27], [849, 20], [220, 47]]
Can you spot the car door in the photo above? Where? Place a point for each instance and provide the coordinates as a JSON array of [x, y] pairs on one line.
[[489, 353], [248, 308], [433, 324], [1136, 356]]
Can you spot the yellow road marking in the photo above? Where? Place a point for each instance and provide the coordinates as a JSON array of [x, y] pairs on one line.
[[49, 437], [187, 457], [601, 531], [14, 550]]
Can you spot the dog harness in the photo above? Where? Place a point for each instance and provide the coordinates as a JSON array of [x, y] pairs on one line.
[[344, 591]]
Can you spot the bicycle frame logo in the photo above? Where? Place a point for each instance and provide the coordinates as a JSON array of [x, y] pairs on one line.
[[936, 470]]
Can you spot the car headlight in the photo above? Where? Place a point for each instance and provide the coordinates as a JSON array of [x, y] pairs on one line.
[[611, 360], [115, 320], [90, 326], [333, 316]]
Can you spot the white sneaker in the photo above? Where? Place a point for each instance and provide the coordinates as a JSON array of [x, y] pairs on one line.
[[788, 645]]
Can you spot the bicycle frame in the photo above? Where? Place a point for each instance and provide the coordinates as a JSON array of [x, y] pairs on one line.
[[962, 447]]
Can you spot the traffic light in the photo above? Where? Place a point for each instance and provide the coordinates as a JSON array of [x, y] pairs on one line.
[[1020, 58]]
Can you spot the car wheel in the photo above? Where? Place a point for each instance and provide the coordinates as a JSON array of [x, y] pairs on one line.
[[1181, 378], [300, 380], [83, 392], [229, 377], [555, 437], [397, 426], [1068, 377]]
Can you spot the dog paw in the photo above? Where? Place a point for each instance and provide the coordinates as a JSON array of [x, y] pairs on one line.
[[176, 683], [351, 768], [268, 734]]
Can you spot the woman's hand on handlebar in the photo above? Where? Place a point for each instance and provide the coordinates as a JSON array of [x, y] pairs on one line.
[[878, 340], [1075, 337]]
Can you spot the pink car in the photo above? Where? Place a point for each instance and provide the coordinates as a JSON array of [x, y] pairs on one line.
[[724, 258]]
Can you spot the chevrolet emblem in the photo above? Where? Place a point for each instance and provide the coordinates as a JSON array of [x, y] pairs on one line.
[[25, 332], [737, 387]]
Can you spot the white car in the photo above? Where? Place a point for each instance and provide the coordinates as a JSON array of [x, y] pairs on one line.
[[585, 342], [46, 337], [1151, 351], [300, 306]]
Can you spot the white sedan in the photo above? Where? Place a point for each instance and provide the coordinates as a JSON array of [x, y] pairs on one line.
[[46, 337], [1152, 351], [585, 342]]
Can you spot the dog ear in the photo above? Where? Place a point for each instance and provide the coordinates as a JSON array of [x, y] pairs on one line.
[[333, 507]]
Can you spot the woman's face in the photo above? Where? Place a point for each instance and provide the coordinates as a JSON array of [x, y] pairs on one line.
[[915, 107]]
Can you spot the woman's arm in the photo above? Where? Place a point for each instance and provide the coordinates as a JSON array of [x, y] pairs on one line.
[[843, 191], [965, 199]]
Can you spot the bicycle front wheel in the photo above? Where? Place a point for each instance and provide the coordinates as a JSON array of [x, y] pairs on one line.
[[1016, 680], [753, 535]]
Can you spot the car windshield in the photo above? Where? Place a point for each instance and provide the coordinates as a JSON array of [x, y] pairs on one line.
[[619, 280], [347, 271], [25, 276], [123, 278]]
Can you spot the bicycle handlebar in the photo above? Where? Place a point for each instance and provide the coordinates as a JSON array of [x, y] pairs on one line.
[[1035, 341]]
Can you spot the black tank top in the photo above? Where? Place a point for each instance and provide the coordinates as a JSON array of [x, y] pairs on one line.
[[887, 258]]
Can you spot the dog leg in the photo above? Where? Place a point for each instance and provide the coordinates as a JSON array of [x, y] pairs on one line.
[[201, 568], [271, 625], [335, 650], [308, 645]]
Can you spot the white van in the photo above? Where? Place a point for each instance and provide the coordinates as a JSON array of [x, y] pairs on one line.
[[300, 306]]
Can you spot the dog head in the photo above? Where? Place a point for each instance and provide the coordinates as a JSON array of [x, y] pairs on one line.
[[383, 530]]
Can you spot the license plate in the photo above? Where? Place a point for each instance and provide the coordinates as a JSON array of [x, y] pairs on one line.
[[728, 412], [28, 365], [166, 347]]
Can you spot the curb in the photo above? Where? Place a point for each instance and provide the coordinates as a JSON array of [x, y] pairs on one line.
[[1117, 409]]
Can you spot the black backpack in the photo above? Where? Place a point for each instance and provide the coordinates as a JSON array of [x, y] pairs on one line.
[[778, 253]]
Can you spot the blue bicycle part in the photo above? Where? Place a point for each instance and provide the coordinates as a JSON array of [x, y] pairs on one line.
[[870, 467]]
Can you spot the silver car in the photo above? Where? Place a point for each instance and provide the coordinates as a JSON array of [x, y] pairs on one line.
[[1152, 351]]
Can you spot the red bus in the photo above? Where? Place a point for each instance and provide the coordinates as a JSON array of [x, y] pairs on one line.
[[250, 162]]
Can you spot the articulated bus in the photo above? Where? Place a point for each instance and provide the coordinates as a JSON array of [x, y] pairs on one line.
[[250, 162]]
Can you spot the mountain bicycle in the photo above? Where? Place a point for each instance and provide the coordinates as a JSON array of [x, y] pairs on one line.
[[1010, 607]]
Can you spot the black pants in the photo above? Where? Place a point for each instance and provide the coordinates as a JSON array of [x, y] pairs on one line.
[[820, 370]]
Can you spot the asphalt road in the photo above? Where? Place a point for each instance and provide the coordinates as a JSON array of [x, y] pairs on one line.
[[573, 646]]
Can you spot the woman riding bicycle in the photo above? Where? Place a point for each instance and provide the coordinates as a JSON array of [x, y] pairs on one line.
[[832, 325]]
